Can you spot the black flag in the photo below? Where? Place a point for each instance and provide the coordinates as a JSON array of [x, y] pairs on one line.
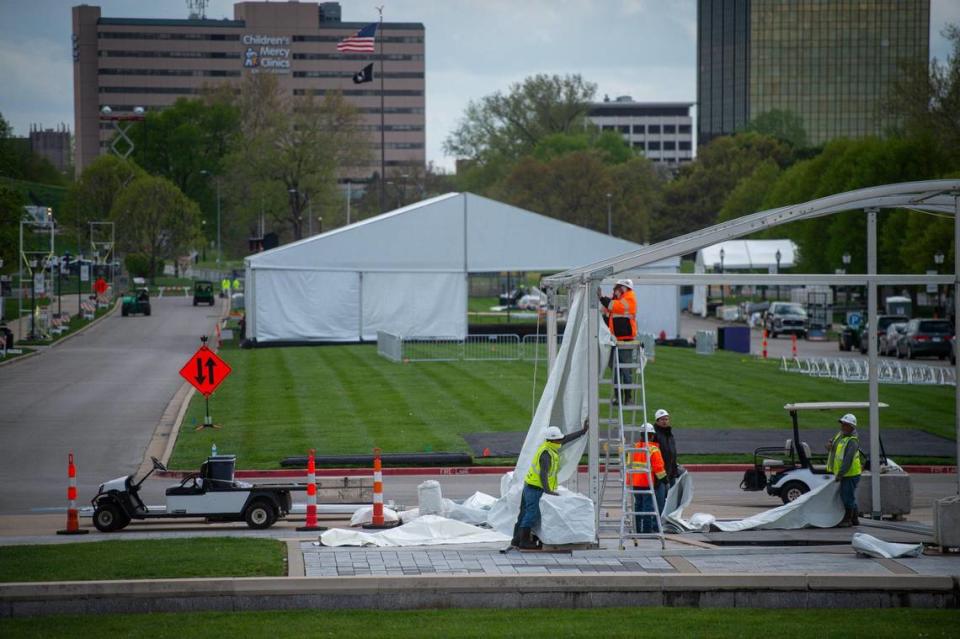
[[364, 75]]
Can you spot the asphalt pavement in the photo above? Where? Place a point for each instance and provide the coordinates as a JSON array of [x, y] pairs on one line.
[[99, 394]]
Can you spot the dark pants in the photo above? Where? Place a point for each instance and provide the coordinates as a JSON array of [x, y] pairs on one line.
[[626, 357], [530, 507], [848, 492], [648, 523]]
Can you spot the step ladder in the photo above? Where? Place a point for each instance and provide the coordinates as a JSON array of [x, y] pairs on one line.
[[623, 435]]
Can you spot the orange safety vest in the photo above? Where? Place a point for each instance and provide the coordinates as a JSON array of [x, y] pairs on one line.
[[625, 306], [639, 462]]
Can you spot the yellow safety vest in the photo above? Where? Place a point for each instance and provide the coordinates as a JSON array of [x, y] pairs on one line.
[[840, 442], [236, 285], [533, 475], [225, 285]]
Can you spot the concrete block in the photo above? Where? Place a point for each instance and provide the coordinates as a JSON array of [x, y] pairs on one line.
[[946, 522], [896, 493]]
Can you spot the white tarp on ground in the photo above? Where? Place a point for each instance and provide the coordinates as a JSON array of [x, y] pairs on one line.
[[428, 530], [872, 547], [819, 508], [405, 272]]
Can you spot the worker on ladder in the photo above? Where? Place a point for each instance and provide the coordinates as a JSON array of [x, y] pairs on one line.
[[639, 479], [621, 314], [541, 478]]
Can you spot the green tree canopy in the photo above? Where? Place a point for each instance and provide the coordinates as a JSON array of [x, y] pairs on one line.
[[785, 126], [11, 212], [92, 196], [154, 217]]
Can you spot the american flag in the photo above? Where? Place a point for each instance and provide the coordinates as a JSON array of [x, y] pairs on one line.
[[361, 42]]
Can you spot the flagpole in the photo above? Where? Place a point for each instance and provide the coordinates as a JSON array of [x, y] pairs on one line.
[[383, 145]]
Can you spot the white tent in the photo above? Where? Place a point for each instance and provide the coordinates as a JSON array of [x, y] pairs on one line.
[[405, 272], [740, 255]]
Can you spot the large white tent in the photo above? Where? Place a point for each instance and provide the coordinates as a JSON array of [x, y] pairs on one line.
[[405, 272], [740, 255]]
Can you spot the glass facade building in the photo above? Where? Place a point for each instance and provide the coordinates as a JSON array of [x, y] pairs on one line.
[[831, 62]]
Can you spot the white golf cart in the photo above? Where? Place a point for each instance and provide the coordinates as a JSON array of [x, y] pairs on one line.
[[793, 470], [212, 494]]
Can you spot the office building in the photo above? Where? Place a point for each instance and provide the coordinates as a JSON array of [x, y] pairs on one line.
[[125, 63], [833, 63], [662, 131], [52, 144]]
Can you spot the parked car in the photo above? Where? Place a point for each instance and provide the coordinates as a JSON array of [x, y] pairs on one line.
[[926, 337], [883, 321], [887, 344], [785, 317]]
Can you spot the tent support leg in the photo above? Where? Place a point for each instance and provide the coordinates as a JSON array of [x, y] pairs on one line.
[[551, 330], [593, 396], [876, 510]]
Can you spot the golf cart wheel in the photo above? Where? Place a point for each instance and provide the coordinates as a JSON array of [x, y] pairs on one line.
[[147, 311], [109, 517], [792, 490], [260, 514], [194, 301], [124, 312]]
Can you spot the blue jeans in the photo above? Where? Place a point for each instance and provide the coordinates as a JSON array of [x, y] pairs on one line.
[[530, 507], [648, 523], [848, 491]]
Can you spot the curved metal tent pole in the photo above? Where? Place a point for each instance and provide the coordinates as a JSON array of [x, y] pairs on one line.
[[935, 196]]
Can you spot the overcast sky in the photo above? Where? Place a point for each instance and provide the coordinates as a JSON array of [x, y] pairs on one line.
[[642, 48]]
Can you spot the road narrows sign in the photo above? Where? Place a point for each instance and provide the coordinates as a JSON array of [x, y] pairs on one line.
[[205, 370]]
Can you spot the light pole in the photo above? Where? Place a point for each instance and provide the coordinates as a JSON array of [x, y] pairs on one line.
[[349, 197], [609, 215], [846, 258], [778, 257], [723, 295], [216, 180], [938, 260]]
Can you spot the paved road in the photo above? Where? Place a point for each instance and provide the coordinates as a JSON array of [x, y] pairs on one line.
[[100, 394]]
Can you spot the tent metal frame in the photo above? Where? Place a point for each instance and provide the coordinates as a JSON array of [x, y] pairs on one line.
[[931, 196]]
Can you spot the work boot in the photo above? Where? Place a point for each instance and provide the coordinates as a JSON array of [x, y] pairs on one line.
[[845, 522], [626, 397], [526, 541], [515, 542], [854, 517]]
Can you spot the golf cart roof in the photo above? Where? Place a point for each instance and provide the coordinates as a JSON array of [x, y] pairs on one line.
[[831, 406]]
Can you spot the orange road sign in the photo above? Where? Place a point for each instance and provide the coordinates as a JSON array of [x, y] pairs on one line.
[[205, 370]]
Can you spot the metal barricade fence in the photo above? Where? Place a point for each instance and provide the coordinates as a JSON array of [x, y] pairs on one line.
[[534, 347], [390, 346], [855, 370], [494, 347], [432, 349]]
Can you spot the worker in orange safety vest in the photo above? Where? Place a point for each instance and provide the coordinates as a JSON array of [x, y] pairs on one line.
[[621, 314], [638, 478]]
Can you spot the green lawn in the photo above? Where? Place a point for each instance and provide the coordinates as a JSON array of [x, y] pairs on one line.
[[144, 559], [652, 623], [347, 399]]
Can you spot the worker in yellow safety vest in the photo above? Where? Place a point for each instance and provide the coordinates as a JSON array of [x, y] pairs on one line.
[[236, 284], [844, 462], [638, 478], [541, 478], [225, 287]]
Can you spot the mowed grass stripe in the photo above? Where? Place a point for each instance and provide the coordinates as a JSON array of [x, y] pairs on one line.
[[347, 399]]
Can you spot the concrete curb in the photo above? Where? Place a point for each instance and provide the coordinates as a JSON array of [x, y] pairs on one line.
[[789, 590], [60, 341]]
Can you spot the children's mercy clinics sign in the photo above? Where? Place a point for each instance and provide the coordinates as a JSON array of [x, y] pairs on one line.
[[270, 54]]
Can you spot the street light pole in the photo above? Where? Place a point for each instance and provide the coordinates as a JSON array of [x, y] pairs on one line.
[[778, 256], [219, 250], [723, 294], [938, 260], [609, 215]]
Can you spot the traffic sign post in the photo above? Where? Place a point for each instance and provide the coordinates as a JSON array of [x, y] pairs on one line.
[[205, 371]]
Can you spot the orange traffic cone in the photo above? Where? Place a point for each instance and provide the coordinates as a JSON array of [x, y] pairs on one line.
[[377, 520], [73, 518], [311, 523]]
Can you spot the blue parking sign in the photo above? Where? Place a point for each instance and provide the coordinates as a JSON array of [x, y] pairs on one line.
[[853, 319]]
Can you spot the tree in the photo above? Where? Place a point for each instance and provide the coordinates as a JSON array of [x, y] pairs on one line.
[[748, 196], [92, 196], [498, 129], [785, 126], [18, 161], [290, 149], [154, 217], [926, 99], [11, 212], [695, 197]]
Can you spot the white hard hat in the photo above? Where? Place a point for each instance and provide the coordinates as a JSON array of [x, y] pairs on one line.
[[849, 418], [553, 432], [627, 283], [647, 428], [661, 413]]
